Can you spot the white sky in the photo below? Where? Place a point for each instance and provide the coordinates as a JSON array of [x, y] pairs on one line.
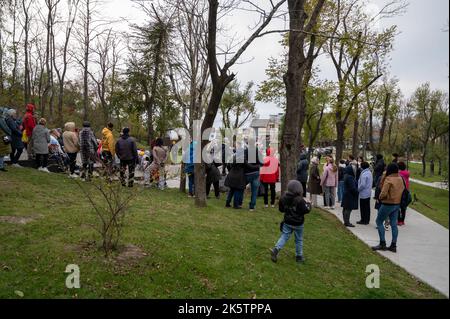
[[421, 51]]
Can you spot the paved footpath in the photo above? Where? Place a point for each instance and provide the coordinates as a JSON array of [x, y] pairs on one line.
[[423, 246], [439, 185]]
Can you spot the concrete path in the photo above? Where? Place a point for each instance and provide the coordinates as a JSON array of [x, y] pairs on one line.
[[438, 185], [423, 246]]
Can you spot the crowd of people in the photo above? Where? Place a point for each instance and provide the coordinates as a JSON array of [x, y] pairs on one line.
[[349, 183]]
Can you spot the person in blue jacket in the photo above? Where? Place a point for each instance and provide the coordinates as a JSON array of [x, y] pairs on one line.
[[189, 165]]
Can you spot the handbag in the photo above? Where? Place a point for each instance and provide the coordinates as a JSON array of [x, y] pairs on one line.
[[25, 137]]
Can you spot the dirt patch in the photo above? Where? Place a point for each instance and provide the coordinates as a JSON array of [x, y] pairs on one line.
[[19, 220], [82, 247], [130, 253], [207, 284]]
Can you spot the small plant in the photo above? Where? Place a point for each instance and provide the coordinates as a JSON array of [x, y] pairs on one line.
[[110, 202]]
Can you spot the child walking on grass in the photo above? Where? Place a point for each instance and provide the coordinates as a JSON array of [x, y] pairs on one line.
[[294, 207]]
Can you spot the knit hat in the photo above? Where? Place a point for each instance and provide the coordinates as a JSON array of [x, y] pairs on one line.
[[295, 187]]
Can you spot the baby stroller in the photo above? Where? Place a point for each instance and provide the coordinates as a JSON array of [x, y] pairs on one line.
[[58, 162]]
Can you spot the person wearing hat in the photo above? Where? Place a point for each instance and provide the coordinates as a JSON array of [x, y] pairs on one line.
[[295, 207], [126, 151], [5, 140], [108, 147], [88, 150]]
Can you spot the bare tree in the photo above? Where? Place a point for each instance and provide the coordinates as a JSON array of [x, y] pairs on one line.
[[220, 78]]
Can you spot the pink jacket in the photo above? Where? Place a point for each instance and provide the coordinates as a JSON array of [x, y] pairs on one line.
[[405, 175], [329, 178]]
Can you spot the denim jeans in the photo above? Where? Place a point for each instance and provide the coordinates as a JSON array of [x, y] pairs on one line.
[[191, 183], [340, 191], [286, 234], [236, 195], [253, 180], [2, 161], [329, 194], [391, 213]]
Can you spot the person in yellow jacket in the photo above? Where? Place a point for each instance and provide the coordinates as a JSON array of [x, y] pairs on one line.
[[108, 148]]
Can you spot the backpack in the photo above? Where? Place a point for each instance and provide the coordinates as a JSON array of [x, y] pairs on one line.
[[406, 197]]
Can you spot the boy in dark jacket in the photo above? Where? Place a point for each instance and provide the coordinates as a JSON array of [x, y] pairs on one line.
[[294, 207]]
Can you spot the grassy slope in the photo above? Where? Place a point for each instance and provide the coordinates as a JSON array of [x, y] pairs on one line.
[[416, 172], [192, 253], [436, 198]]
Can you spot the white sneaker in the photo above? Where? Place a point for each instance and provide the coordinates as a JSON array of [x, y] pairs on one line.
[[273, 206], [45, 170], [332, 207], [73, 176], [267, 206], [40, 169]]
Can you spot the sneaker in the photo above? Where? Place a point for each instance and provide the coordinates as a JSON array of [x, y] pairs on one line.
[[274, 255], [332, 207], [273, 206], [266, 206], [252, 210], [300, 259], [45, 170]]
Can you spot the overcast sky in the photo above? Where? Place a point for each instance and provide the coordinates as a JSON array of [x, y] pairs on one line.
[[421, 50]]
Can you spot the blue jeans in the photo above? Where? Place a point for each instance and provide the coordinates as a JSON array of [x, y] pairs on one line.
[[340, 191], [191, 182], [253, 180], [286, 234], [391, 212], [236, 195], [2, 161]]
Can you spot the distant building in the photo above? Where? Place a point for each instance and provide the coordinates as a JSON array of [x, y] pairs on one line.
[[267, 130]]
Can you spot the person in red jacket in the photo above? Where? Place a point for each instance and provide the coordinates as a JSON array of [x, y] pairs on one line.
[[29, 123], [269, 176]]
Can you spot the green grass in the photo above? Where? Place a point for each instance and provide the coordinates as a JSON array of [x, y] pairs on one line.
[[436, 198], [416, 173], [192, 253]]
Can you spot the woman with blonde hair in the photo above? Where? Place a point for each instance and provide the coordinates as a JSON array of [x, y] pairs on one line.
[[314, 181], [71, 146]]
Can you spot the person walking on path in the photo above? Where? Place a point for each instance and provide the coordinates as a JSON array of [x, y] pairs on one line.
[[378, 169], [88, 151], [71, 146], [269, 176], [40, 141], [294, 207], [390, 199], [365, 183], [329, 182], [159, 159], [16, 137], [350, 198], [405, 174], [236, 180], [341, 173], [314, 181], [126, 150], [108, 148], [302, 172], [29, 123]]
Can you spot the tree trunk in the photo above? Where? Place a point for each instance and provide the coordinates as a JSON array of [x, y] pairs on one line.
[[384, 120], [340, 142], [355, 139]]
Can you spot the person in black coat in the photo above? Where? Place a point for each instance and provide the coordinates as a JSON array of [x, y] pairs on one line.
[[17, 145], [236, 181], [213, 178], [378, 169], [302, 171], [350, 196]]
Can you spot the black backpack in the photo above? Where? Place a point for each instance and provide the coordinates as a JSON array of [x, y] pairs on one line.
[[406, 197]]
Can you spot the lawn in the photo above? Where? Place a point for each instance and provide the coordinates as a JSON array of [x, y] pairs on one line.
[[190, 252], [436, 198], [416, 173]]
